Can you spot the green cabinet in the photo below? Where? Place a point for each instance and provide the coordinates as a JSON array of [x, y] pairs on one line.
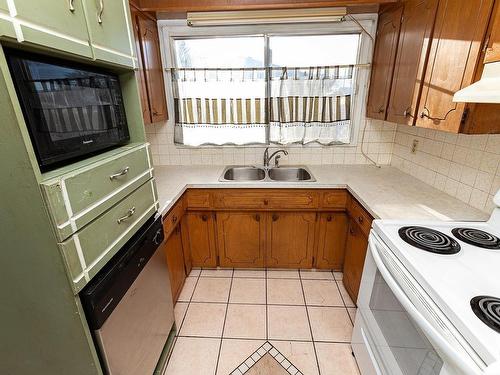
[[110, 30], [55, 24]]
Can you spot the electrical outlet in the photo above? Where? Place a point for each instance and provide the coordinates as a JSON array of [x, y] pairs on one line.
[[414, 146]]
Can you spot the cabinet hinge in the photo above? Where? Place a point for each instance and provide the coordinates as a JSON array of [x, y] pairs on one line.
[[317, 216], [465, 114], [314, 261]]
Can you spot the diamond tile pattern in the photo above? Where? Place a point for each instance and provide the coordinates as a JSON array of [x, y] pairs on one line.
[[276, 321]]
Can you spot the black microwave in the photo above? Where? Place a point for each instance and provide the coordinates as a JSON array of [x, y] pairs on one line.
[[71, 110]]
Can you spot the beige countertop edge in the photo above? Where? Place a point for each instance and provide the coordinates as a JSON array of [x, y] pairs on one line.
[[412, 206]]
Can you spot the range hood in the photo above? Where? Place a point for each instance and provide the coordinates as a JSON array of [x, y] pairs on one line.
[[486, 90]]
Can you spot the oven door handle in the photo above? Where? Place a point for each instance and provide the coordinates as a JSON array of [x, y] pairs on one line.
[[426, 327]]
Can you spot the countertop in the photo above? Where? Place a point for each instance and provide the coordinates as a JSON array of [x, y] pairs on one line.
[[386, 192]]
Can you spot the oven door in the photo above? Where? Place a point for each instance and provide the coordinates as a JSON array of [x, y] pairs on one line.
[[398, 329]]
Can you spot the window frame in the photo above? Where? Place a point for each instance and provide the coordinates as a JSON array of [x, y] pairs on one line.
[[169, 30]]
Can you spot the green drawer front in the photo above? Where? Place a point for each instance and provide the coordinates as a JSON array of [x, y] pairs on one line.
[[90, 248], [79, 197]]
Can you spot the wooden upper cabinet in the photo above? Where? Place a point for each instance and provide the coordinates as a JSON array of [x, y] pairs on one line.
[[200, 239], [140, 74], [290, 239], [152, 65], [493, 46], [413, 45], [454, 54], [331, 240], [389, 23], [242, 239]]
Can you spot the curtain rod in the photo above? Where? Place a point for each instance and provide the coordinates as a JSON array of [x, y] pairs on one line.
[[367, 65]]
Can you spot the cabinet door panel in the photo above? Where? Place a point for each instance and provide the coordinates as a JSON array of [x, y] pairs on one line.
[[175, 261], [53, 24], [110, 30], [454, 54], [383, 62], [201, 239], [354, 262], [290, 239], [241, 237], [413, 47], [332, 241], [151, 60]]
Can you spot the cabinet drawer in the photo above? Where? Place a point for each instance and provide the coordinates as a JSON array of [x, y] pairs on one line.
[[360, 216], [86, 251], [266, 199], [173, 218], [78, 197], [196, 199], [334, 199]]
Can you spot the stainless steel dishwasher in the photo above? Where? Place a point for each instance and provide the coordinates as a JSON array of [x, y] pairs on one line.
[[129, 307]]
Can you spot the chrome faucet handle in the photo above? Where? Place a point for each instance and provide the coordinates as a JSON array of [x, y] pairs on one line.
[[277, 161]]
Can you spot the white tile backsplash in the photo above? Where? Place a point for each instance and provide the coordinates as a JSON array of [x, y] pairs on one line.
[[379, 140], [465, 166]]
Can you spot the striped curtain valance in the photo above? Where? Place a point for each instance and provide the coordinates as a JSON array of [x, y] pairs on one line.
[[297, 104]]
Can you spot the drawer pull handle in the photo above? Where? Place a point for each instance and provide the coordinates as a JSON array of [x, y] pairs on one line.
[[100, 12], [360, 219], [128, 215], [204, 217], [329, 218], [266, 202], [257, 217], [71, 6], [275, 217], [123, 172]]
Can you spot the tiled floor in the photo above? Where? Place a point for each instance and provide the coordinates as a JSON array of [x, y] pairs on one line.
[[224, 316]]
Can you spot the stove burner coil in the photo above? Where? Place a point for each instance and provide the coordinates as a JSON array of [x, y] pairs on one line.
[[477, 237], [429, 240], [487, 309]]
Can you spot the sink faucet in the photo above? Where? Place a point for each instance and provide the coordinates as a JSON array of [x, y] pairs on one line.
[[268, 158]]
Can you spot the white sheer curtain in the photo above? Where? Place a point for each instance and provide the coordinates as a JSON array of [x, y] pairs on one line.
[[311, 105]]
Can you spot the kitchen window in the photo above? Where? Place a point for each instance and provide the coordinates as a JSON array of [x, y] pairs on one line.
[[270, 88]]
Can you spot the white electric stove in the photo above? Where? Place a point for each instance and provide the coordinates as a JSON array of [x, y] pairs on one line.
[[429, 302]]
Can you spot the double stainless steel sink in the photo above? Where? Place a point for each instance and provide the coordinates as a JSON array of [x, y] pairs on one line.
[[277, 174]]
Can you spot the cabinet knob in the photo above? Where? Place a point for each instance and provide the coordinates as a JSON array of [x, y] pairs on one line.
[[360, 219], [71, 6], [381, 110], [266, 202], [275, 217], [174, 219], [351, 230], [204, 217], [329, 218], [257, 217]]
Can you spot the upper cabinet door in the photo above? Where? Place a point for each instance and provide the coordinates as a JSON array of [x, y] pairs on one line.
[[455, 52], [413, 47], [383, 62], [55, 24], [110, 30], [151, 60], [493, 47]]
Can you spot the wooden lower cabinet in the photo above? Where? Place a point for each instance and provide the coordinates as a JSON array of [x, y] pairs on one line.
[[357, 244], [241, 237], [290, 239], [175, 261], [200, 238], [332, 238]]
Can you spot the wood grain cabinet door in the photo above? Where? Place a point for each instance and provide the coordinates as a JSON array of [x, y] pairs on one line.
[[200, 238], [357, 244], [455, 52], [413, 47], [332, 240], [384, 55], [242, 238], [151, 60], [290, 239], [175, 261]]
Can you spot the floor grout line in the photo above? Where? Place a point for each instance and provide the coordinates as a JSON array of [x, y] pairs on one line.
[[310, 327], [224, 324], [267, 308]]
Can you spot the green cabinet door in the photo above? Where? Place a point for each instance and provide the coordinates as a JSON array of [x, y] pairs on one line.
[[6, 27], [110, 30], [56, 24]]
